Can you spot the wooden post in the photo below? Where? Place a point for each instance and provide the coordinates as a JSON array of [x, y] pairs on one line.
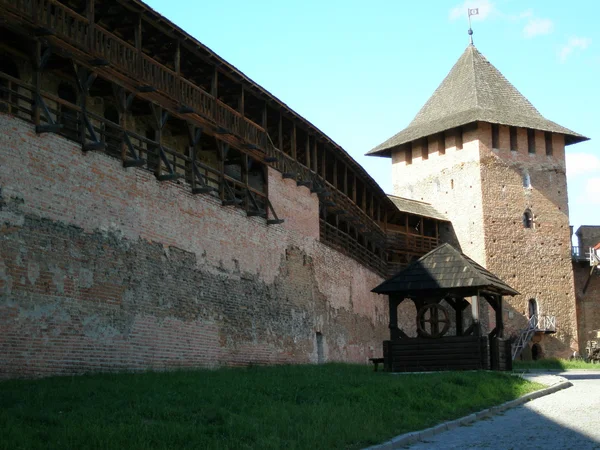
[[242, 102], [499, 318], [393, 312], [37, 81], [315, 166], [138, 44], [280, 132], [90, 15], [364, 198], [335, 172], [307, 151], [345, 179], [385, 221], [177, 62], [354, 187], [323, 159], [293, 141], [214, 84], [264, 117], [459, 316]]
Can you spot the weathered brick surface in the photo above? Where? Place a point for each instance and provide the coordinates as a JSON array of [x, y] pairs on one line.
[[105, 268], [481, 190], [588, 302]]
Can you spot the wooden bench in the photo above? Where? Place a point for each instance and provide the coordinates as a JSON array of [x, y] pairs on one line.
[[376, 362]]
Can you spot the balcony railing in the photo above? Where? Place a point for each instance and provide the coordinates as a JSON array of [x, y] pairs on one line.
[[543, 323], [97, 42], [579, 253]]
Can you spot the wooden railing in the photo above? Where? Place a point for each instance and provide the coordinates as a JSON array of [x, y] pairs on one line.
[[75, 30], [17, 98], [411, 242], [346, 244]]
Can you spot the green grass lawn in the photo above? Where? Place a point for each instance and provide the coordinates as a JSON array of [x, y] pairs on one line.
[[294, 407], [555, 363]]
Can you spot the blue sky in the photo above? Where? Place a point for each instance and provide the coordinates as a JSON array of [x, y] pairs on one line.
[[360, 70]]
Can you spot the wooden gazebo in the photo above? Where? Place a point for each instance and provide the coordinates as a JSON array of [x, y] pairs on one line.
[[445, 275]]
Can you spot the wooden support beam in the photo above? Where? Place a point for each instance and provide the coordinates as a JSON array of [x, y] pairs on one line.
[[242, 102], [137, 32], [90, 13], [214, 83], [385, 221], [307, 151], [364, 198], [177, 57], [293, 141], [335, 172], [264, 116], [499, 317], [280, 132], [345, 179]]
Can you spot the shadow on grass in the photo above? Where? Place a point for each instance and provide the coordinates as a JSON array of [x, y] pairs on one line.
[[295, 407]]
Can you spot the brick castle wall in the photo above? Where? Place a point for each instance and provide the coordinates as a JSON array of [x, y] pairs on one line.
[[104, 268]]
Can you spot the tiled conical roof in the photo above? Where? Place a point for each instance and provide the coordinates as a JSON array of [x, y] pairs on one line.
[[443, 269], [474, 90]]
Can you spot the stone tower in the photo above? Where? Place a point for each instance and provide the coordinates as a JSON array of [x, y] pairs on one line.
[[480, 153]]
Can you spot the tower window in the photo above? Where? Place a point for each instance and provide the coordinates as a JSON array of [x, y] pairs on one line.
[[495, 136], [526, 179], [531, 140], [527, 219], [548, 139], [513, 138]]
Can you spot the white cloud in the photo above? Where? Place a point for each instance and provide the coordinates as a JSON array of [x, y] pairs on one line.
[[592, 191], [485, 7], [581, 163], [538, 27], [574, 43]]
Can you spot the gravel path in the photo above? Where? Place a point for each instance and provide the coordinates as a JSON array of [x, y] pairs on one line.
[[568, 419]]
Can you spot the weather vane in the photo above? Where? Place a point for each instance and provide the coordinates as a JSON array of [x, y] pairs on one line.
[[472, 12]]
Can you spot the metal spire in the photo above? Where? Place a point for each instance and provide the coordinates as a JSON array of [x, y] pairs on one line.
[[472, 12]]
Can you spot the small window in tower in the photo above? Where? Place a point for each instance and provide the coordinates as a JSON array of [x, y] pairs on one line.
[[548, 138], [459, 139], [527, 219], [495, 136], [425, 149], [513, 139], [531, 140], [526, 179], [408, 157]]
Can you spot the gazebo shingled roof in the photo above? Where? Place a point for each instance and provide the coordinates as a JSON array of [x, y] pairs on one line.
[[443, 269], [474, 90]]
